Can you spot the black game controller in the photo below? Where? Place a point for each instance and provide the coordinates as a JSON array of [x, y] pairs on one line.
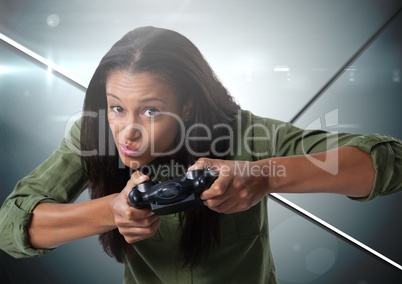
[[175, 195]]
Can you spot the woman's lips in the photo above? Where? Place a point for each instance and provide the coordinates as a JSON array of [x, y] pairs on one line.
[[127, 150]]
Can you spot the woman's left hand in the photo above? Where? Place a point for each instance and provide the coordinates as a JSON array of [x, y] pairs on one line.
[[240, 185]]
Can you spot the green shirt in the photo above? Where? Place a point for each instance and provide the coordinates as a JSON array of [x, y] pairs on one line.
[[244, 255]]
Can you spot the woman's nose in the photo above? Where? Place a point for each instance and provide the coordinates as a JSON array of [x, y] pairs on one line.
[[132, 131]]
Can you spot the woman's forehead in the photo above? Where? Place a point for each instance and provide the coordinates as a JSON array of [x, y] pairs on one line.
[[124, 84]]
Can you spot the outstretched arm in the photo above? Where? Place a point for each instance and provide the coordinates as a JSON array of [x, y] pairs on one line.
[[39, 214], [345, 170], [54, 224], [242, 184]]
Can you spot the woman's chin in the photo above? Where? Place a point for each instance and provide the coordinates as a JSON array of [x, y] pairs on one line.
[[134, 162]]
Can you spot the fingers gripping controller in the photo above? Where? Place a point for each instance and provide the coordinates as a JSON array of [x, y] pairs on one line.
[[175, 195]]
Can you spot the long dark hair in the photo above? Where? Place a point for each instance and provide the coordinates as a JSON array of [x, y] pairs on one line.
[[168, 54]]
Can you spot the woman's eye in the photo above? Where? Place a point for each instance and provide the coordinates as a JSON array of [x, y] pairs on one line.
[[151, 112], [117, 108]]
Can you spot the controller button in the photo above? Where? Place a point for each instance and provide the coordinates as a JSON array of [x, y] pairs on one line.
[[170, 190]]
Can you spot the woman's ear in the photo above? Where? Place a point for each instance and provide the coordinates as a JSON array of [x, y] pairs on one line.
[[186, 110]]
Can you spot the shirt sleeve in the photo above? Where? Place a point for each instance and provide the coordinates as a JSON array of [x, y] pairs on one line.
[[60, 179], [286, 139], [386, 153]]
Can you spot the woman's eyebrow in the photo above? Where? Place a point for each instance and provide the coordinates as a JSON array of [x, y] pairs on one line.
[[112, 95], [145, 100]]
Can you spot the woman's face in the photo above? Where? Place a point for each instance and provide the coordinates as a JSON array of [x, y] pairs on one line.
[[144, 115]]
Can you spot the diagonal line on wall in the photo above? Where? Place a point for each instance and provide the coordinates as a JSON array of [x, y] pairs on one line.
[[45, 63], [281, 200]]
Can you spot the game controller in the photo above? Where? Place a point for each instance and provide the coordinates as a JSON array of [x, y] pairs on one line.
[[175, 195]]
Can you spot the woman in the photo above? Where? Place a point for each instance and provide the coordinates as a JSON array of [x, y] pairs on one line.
[[153, 110]]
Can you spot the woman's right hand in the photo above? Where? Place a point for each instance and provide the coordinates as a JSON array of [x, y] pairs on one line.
[[133, 223]]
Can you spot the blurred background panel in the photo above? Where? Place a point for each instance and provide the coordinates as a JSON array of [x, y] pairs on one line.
[[274, 57], [366, 98]]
